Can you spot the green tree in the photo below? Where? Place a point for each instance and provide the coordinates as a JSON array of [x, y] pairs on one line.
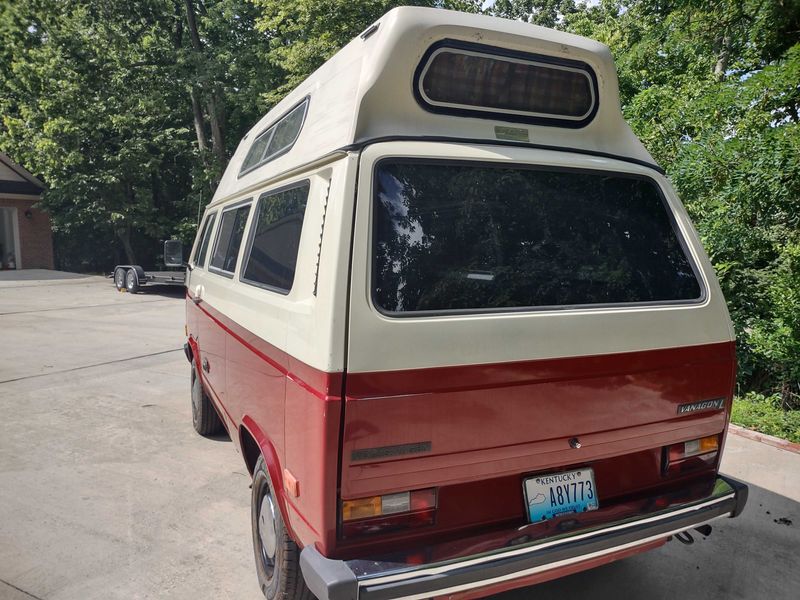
[[129, 111], [712, 87], [303, 34]]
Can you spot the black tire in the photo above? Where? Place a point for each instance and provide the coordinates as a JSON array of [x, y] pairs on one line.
[[119, 278], [205, 419], [277, 556], [131, 281]]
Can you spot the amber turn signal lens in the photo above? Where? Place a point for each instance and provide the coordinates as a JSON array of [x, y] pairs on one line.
[[361, 508]]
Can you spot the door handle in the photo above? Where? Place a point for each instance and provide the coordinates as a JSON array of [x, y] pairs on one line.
[[206, 366]]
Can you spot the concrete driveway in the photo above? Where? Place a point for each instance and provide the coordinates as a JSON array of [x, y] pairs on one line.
[[106, 491]]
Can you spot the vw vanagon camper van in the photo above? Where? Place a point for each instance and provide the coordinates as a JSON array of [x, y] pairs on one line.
[[457, 322]]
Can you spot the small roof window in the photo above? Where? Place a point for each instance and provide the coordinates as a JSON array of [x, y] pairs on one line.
[[495, 83], [278, 139]]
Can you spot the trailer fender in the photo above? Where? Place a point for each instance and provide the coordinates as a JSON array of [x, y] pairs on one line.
[[141, 278]]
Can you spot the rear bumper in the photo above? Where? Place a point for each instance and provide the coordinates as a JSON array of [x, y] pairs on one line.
[[374, 580]]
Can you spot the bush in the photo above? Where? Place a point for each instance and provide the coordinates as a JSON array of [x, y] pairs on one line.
[[764, 414]]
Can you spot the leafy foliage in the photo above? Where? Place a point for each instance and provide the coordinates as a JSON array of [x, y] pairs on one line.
[[97, 99], [764, 413], [712, 87]]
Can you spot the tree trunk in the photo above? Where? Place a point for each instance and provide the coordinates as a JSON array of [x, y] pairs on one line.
[[191, 20], [124, 235], [216, 116], [199, 121], [214, 105], [722, 58]]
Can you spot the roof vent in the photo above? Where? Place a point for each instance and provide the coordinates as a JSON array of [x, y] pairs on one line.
[[476, 80]]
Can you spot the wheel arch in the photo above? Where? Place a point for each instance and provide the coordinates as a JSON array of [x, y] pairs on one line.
[[254, 443], [140, 276], [195, 350]]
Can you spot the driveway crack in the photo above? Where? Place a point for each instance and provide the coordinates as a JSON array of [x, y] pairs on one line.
[[101, 364], [20, 590]]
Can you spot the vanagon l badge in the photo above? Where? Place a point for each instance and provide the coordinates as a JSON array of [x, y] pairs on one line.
[[715, 404]]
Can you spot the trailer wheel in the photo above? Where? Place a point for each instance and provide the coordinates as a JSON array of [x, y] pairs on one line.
[[277, 556], [119, 278], [204, 417], [131, 281]]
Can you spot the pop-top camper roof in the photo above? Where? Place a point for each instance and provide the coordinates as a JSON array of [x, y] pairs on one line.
[[428, 73]]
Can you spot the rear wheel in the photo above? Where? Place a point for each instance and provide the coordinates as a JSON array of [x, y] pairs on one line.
[[204, 417], [131, 282], [119, 278], [277, 556]]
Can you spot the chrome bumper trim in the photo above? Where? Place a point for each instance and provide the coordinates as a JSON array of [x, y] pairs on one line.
[[336, 580]]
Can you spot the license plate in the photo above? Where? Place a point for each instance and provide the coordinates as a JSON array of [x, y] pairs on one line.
[[553, 494]]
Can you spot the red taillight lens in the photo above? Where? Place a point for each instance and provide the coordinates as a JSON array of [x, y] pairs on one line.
[[423, 499], [691, 455], [390, 512]]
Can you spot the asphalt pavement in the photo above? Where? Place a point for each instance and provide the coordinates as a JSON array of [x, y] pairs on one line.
[[106, 492]]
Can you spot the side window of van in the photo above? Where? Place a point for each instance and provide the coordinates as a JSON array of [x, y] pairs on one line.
[[229, 239], [199, 258], [276, 140], [272, 256]]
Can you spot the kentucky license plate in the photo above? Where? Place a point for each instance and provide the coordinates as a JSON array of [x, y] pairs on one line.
[[548, 496]]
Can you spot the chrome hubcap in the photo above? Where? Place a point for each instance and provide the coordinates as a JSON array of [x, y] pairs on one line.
[[266, 528]]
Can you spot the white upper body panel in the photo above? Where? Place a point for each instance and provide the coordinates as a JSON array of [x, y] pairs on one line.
[[308, 322], [380, 342], [361, 108]]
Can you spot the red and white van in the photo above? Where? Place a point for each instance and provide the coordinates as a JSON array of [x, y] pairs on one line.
[[457, 321]]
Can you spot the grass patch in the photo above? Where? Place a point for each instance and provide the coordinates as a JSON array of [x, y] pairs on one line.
[[764, 414]]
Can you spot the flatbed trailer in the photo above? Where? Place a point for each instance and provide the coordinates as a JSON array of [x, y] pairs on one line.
[[133, 277]]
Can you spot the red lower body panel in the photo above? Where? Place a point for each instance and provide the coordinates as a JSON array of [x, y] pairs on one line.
[[290, 409], [476, 432]]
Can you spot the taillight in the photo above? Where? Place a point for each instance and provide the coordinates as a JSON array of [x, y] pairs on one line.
[[691, 455], [390, 512]]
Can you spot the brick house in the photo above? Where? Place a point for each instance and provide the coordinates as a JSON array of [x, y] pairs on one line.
[[26, 240]]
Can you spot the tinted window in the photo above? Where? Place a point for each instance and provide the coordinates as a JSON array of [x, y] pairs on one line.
[[257, 150], [276, 238], [501, 84], [286, 131], [199, 259], [449, 236], [276, 140], [229, 238]]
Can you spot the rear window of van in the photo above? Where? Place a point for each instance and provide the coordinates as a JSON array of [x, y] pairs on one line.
[[473, 237]]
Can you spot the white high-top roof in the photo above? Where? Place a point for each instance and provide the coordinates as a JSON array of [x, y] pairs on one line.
[[365, 92]]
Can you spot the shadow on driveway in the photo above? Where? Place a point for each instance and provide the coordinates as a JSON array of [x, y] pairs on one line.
[[753, 556], [167, 291]]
